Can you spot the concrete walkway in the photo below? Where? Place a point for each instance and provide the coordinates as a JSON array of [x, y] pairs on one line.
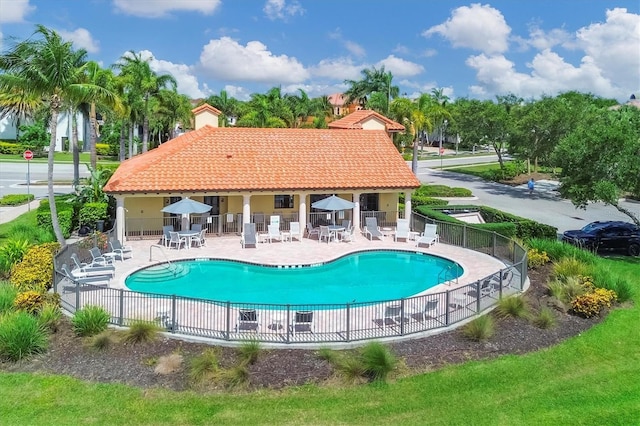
[[9, 213]]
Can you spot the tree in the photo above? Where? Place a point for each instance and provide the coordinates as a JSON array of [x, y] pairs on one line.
[[48, 67], [228, 106], [599, 158], [373, 80], [19, 106]]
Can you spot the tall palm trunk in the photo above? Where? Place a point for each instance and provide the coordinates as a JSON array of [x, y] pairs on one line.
[[92, 135], [74, 148], [122, 153], [53, 124], [145, 134], [131, 140]]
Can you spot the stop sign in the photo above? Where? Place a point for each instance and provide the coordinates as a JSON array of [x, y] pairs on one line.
[[441, 151], [28, 155]]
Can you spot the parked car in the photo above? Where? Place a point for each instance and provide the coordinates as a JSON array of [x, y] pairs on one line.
[[614, 236]]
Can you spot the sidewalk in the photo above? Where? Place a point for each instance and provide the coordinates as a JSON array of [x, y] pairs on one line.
[[8, 213]]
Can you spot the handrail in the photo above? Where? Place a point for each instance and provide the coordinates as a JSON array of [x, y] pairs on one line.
[[446, 270], [172, 266]]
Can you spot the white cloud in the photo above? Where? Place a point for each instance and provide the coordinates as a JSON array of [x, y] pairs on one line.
[[240, 93], [279, 9], [81, 38], [15, 11], [355, 49], [400, 67], [337, 69], [477, 27], [226, 59], [161, 8], [542, 40]]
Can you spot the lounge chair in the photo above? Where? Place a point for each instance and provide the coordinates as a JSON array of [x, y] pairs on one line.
[[325, 233], [302, 322], [274, 232], [429, 310], [248, 236], [176, 240], [371, 228], [392, 315], [120, 250], [486, 289], [82, 279], [100, 258], [429, 236], [247, 321], [91, 268], [312, 231], [402, 230], [295, 231]]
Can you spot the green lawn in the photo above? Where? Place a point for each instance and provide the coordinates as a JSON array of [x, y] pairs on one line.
[[591, 379], [58, 157], [26, 220]]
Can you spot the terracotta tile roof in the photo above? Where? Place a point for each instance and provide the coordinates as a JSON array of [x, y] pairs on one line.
[[355, 120], [203, 107], [219, 159]]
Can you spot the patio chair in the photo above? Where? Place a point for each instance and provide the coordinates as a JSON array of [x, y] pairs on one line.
[[196, 227], [247, 321], [120, 250], [348, 234], [100, 258], [80, 278], [302, 322], [166, 234], [392, 315], [346, 223], [295, 231], [371, 228], [274, 232], [325, 233], [429, 236], [176, 240], [312, 231], [402, 230], [486, 289], [248, 236], [90, 268], [504, 281], [429, 310], [199, 240]]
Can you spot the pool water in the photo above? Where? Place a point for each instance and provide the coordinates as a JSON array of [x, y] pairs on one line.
[[360, 277]]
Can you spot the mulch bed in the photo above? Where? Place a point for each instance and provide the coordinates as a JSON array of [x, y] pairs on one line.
[[134, 364]]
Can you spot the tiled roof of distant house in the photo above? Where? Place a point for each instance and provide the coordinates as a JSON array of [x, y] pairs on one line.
[[356, 119]]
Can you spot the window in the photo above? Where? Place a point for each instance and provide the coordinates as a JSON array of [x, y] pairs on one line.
[[283, 201], [369, 202]]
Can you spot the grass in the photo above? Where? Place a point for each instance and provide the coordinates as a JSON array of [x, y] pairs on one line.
[[141, 331], [23, 221], [58, 157]]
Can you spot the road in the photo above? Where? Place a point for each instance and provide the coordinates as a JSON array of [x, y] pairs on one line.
[[13, 178]]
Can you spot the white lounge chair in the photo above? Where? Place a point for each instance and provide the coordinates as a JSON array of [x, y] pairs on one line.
[[392, 315], [248, 236], [100, 258], [274, 232], [402, 230], [120, 250], [428, 310], [83, 279], [295, 231], [429, 236], [91, 268], [371, 228]]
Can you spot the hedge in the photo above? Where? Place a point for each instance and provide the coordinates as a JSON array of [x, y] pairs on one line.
[[90, 213], [65, 215], [11, 148], [35, 271], [16, 199]]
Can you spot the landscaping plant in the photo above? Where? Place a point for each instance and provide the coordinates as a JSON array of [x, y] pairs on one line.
[[90, 320], [141, 331], [480, 329], [8, 295], [20, 336]]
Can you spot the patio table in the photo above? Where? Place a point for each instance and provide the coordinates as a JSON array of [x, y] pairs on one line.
[[334, 230], [187, 235]]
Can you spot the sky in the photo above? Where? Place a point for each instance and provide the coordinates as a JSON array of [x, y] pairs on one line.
[[529, 48]]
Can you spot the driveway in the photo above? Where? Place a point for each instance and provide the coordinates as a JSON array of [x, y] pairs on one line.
[[545, 206]]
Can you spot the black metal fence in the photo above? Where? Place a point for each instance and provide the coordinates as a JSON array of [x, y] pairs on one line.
[[314, 323]]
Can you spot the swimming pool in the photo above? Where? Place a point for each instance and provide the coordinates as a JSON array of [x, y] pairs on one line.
[[358, 277]]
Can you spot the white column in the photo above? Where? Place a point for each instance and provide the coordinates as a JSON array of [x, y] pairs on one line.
[[246, 209], [356, 211], [407, 206], [120, 218], [302, 211]]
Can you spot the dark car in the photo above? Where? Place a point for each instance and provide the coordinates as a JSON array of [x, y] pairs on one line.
[[607, 236]]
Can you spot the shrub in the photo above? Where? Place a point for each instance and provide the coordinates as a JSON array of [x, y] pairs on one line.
[[16, 199], [169, 364], [591, 304], [90, 213], [569, 267], [233, 377], [29, 301], [11, 148], [512, 307], [102, 341], [249, 351], [65, 210], [11, 253], [141, 331], [624, 289], [204, 366], [479, 329], [8, 295], [545, 318], [90, 320], [567, 290], [536, 258], [329, 355], [49, 317], [350, 367], [21, 336], [378, 361], [34, 271]]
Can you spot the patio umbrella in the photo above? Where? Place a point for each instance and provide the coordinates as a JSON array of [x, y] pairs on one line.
[[334, 204], [187, 206]]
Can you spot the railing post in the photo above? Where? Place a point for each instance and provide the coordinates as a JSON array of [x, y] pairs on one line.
[[288, 322], [173, 313], [402, 317], [121, 307], [464, 236], [447, 300], [77, 294], [348, 339], [495, 238], [228, 324], [501, 281], [478, 297]]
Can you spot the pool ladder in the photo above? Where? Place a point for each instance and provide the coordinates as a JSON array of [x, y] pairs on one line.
[[170, 265], [446, 272]]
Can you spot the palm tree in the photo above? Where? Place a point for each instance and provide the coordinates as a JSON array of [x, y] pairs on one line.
[[18, 105], [374, 80], [145, 83], [50, 68], [227, 105]]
